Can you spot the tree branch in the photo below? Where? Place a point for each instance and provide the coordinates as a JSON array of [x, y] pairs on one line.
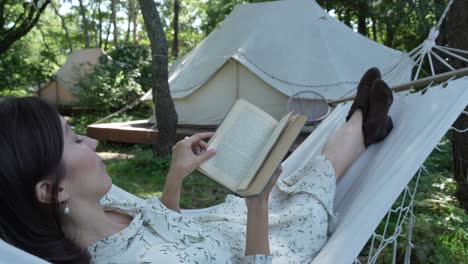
[[64, 25], [2, 19], [8, 37]]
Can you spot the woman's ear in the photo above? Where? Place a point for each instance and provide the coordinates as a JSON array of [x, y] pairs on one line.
[[62, 195], [44, 192]]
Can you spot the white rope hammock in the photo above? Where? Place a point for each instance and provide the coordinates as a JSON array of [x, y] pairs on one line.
[[405, 208], [404, 211]]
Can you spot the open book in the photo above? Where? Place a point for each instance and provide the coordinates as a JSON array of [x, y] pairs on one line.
[[250, 144]]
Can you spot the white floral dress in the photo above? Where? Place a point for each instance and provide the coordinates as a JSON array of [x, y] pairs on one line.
[[300, 219]]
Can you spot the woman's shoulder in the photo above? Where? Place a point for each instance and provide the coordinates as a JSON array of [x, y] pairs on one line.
[[157, 232]]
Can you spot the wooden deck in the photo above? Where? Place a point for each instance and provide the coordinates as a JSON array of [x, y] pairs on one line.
[[140, 132], [137, 132]]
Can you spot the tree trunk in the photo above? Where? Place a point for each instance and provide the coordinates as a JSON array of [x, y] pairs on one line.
[[64, 25], [95, 31], [100, 23], [132, 9], [85, 23], [374, 28], [114, 22], [175, 25], [106, 43], [362, 12], [135, 26], [389, 37], [166, 115], [129, 20], [9, 34], [129, 23], [457, 23]]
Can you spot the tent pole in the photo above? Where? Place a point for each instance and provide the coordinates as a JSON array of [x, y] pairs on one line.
[[417, 83], [125, 108]]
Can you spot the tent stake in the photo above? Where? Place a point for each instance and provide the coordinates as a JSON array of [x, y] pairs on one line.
[[417, 83]]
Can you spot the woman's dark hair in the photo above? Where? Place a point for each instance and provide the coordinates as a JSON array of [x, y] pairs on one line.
[[31, 148]]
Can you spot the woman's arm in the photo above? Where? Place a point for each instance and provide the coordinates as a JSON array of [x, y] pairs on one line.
[[256, 241], [171, 192], [257, 228], [187, 155]]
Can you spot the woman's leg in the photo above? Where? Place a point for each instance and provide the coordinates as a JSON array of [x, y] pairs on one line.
[[346, 145]]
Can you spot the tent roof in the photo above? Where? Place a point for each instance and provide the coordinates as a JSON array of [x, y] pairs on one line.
[[79, 63], [292, 45]]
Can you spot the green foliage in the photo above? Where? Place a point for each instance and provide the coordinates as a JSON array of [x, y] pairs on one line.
[[118, 81], [398, 24], [17, 18], [24, 67], [190, 16], [30, 61], [216, 10], [15, 93]]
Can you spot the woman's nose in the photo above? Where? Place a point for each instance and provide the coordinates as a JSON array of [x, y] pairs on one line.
[[92, 143]]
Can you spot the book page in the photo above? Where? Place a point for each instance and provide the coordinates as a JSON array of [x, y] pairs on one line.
[[275, 156], [264, 151], [238, 142]]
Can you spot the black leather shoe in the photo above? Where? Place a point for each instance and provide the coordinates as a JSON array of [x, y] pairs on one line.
[[378, 124], [362, 96]]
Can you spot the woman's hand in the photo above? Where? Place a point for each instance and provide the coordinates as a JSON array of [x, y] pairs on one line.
[[256, 241], [187, 155], [263, 197]]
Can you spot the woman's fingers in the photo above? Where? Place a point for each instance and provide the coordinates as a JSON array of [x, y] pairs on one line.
[[198, 136], [196, 149], [196, 142], [203, 144], [206, 155]]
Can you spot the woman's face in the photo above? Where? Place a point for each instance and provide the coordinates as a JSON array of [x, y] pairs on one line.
[[85, 178]]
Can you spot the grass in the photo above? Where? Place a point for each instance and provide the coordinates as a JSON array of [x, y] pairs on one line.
[[145, 175], [440, 234]]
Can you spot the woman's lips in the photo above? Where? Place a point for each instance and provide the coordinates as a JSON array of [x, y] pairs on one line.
[[100, 162]]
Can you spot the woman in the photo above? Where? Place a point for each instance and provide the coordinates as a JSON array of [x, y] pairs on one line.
[[52, 183]]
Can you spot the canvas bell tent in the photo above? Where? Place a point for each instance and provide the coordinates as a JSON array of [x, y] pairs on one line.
[[265, 53], [59, 89]]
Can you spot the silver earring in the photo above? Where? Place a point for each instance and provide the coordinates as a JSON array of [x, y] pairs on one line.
[[66, 210]]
